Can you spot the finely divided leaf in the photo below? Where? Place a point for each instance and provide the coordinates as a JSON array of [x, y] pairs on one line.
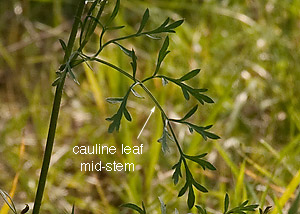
[[191, 197], [144, 209], [201, 130], [242, 208], [190, 75], [114, 100], [163, 49], [116, 118], [62, 67], [200, 209], [195, 93], [174, 25], [114, 13], [199, 186], [137, 94], [210, 135], [76, 62], [201, 90], [93, 7], [127, 114], [177, 172], [63, 44], [190, 113], [72, 75], [204, 97], [268, 209], [203, 163], [115, 27], [164, 23], [164, 139], [183, 189], [164, 27], [133, 63], [162, 54], [134, 207], [201, 156], [188, 90], [161, 28], [185, 93], [125, 50], [56, 81], [226, 203], [144, 21]]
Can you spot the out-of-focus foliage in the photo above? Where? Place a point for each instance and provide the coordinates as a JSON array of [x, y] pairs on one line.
[[248, 52]]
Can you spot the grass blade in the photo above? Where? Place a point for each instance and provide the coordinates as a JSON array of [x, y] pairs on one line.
[[295, 206], [240, 184], [288, 192], [5, 197]]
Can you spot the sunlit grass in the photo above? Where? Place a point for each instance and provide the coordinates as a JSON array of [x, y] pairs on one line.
[[250, 63]]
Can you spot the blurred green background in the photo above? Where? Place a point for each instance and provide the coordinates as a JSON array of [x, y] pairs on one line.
[[249, 56]]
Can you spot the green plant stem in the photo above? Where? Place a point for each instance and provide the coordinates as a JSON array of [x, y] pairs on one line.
[[49, 146], [140, 83], [117, 39], [163, 112], [54, 114], [114, 67], [91, 27], [176, 141], [75, 27], [153, 99]]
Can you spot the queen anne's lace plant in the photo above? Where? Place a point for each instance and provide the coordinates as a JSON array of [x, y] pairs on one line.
[[73, 57], [168, 135]]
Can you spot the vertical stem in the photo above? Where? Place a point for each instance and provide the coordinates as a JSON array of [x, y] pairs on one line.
[[74, 30], [49, 146], [54, 114]]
